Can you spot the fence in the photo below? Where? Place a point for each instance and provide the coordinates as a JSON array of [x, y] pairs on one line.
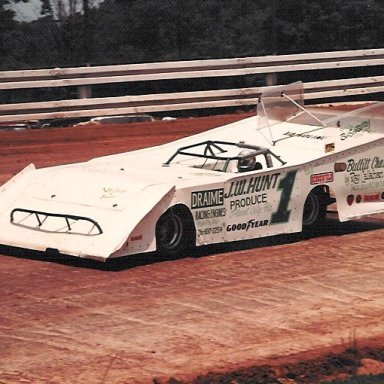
[[84, 78]]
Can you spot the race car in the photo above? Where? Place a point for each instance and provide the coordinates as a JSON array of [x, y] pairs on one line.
[[270, 174]]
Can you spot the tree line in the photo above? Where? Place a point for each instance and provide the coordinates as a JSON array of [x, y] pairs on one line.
[[135, 31]]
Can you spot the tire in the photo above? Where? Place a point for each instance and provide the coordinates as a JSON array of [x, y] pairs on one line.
[[174, 232], [315, 210]]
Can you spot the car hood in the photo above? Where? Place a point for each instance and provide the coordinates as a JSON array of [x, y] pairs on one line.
[[38, 206]]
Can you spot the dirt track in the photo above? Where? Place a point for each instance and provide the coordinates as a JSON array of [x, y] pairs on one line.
[[285, 299]]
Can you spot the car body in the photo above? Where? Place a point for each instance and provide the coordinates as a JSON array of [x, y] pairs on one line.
[[266, 175]]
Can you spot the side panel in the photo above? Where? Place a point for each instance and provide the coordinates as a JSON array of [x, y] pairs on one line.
[[359, 181], [142, 238], [264, 204], [250, 205], [209, 212]]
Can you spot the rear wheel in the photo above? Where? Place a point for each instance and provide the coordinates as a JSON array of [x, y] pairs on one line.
[[315, 210], [174, 232]]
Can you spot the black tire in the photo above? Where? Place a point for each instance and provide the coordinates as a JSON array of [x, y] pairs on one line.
[[175, 232], [315, 211]]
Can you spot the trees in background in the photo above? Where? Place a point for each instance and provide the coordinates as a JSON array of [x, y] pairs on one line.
[[75, 33], [7, 25]]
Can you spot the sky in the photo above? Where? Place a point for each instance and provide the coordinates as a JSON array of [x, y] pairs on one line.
[[27, 11], [31, 10]]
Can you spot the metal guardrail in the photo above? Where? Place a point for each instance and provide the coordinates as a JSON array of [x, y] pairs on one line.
[[85, 77]]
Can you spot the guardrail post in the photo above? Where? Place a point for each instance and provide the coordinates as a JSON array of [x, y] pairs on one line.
[[84, 91], [270, 79]]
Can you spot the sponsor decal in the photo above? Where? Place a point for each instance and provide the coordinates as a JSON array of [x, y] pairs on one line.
[[304, 135], [372, 197], [365, 164], [206, 199], [377, 162], [360, 165], [340, 167], [246, 197], [365, 172], [250, 224], [243, 206], [210, 231], [249, 196], [353, 130], [321, 178], [350, 199], [330, 147], [252, 185], [248, 201], [366, 198], [110, 192], [210, 213], [371, 175]]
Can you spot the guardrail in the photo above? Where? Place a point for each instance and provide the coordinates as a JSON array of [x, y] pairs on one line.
[[86, 77]]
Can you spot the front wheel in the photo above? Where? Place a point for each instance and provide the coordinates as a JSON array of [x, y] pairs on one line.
[[174, 233], [315, 210]]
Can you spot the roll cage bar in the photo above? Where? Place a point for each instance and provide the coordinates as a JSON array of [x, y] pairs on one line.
[[214, 150]]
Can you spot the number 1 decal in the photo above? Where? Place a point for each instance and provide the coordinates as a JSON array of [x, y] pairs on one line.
[[286, 187]]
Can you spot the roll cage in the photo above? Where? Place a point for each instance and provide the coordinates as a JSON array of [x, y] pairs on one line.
[[220, 151]]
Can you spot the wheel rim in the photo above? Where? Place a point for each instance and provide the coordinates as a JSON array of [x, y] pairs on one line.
[[311, 209], [170, 231]]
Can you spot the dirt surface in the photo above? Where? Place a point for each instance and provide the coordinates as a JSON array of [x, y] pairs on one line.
[[271, 304]]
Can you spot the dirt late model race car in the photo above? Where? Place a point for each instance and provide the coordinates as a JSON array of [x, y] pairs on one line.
[[266, 175]]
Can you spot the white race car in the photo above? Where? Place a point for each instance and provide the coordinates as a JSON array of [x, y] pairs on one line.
[[266, 175]]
